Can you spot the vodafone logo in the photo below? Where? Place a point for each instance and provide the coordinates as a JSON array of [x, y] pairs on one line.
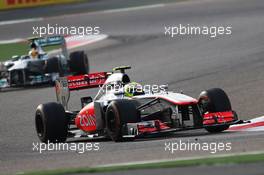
[[15, 2], [77, 84], [87, 120]]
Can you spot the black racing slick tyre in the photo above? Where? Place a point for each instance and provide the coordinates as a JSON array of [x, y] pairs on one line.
[[79, 63], [52, 65], [51, 123], [118, 113], [214, 100], [17, 78]]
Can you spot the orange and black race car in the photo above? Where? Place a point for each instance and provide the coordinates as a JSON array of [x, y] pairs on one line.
[[123, 111]]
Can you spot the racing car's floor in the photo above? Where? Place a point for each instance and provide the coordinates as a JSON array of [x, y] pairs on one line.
[[190, 63]]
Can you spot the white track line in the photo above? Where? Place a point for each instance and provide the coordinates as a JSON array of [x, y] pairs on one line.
[[10, 22], [16, 40], [84, 40], [256, 124], [258, 128], [2, 23], [258, 119], [133, 8]]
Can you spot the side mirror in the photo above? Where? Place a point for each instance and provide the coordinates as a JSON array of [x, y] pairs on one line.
[[86, 100]]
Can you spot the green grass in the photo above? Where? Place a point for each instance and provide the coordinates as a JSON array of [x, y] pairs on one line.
[[238, 159], [21, 48]]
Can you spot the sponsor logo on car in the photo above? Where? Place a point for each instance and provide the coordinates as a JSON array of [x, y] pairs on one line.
[[87, 120]]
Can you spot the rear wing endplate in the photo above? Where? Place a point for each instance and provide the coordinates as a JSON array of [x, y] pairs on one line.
[[64, 85]]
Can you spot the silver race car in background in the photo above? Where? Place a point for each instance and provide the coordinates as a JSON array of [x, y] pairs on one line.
[[38, 67]]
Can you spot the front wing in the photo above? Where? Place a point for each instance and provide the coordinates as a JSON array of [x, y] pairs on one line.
[[156, 126]]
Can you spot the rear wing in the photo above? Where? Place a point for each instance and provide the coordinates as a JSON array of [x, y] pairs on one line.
[[64, 85], [48, 41]]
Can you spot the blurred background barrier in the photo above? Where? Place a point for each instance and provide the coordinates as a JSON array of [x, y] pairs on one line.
[[10, 4]]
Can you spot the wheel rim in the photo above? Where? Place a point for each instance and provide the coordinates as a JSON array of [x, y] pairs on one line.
[[204, 104], [111, 121], [39, 125]]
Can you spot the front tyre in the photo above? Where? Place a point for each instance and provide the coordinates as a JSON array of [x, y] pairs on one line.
[[118, 113], [216, 129], [214, 100], [51, 123], [17, 78]]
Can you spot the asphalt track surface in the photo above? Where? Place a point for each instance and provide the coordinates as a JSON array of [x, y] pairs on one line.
[[189, 63]]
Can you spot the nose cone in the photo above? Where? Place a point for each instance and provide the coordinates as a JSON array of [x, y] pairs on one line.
[[86, 120]]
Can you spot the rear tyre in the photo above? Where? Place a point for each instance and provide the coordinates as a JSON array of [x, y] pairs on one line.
[[215, 100], [118, 113], [51, 123], [79, 63]]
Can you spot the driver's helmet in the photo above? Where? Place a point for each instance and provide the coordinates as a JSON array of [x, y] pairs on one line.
[[33, 45], [132, 89], [33, 53]]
